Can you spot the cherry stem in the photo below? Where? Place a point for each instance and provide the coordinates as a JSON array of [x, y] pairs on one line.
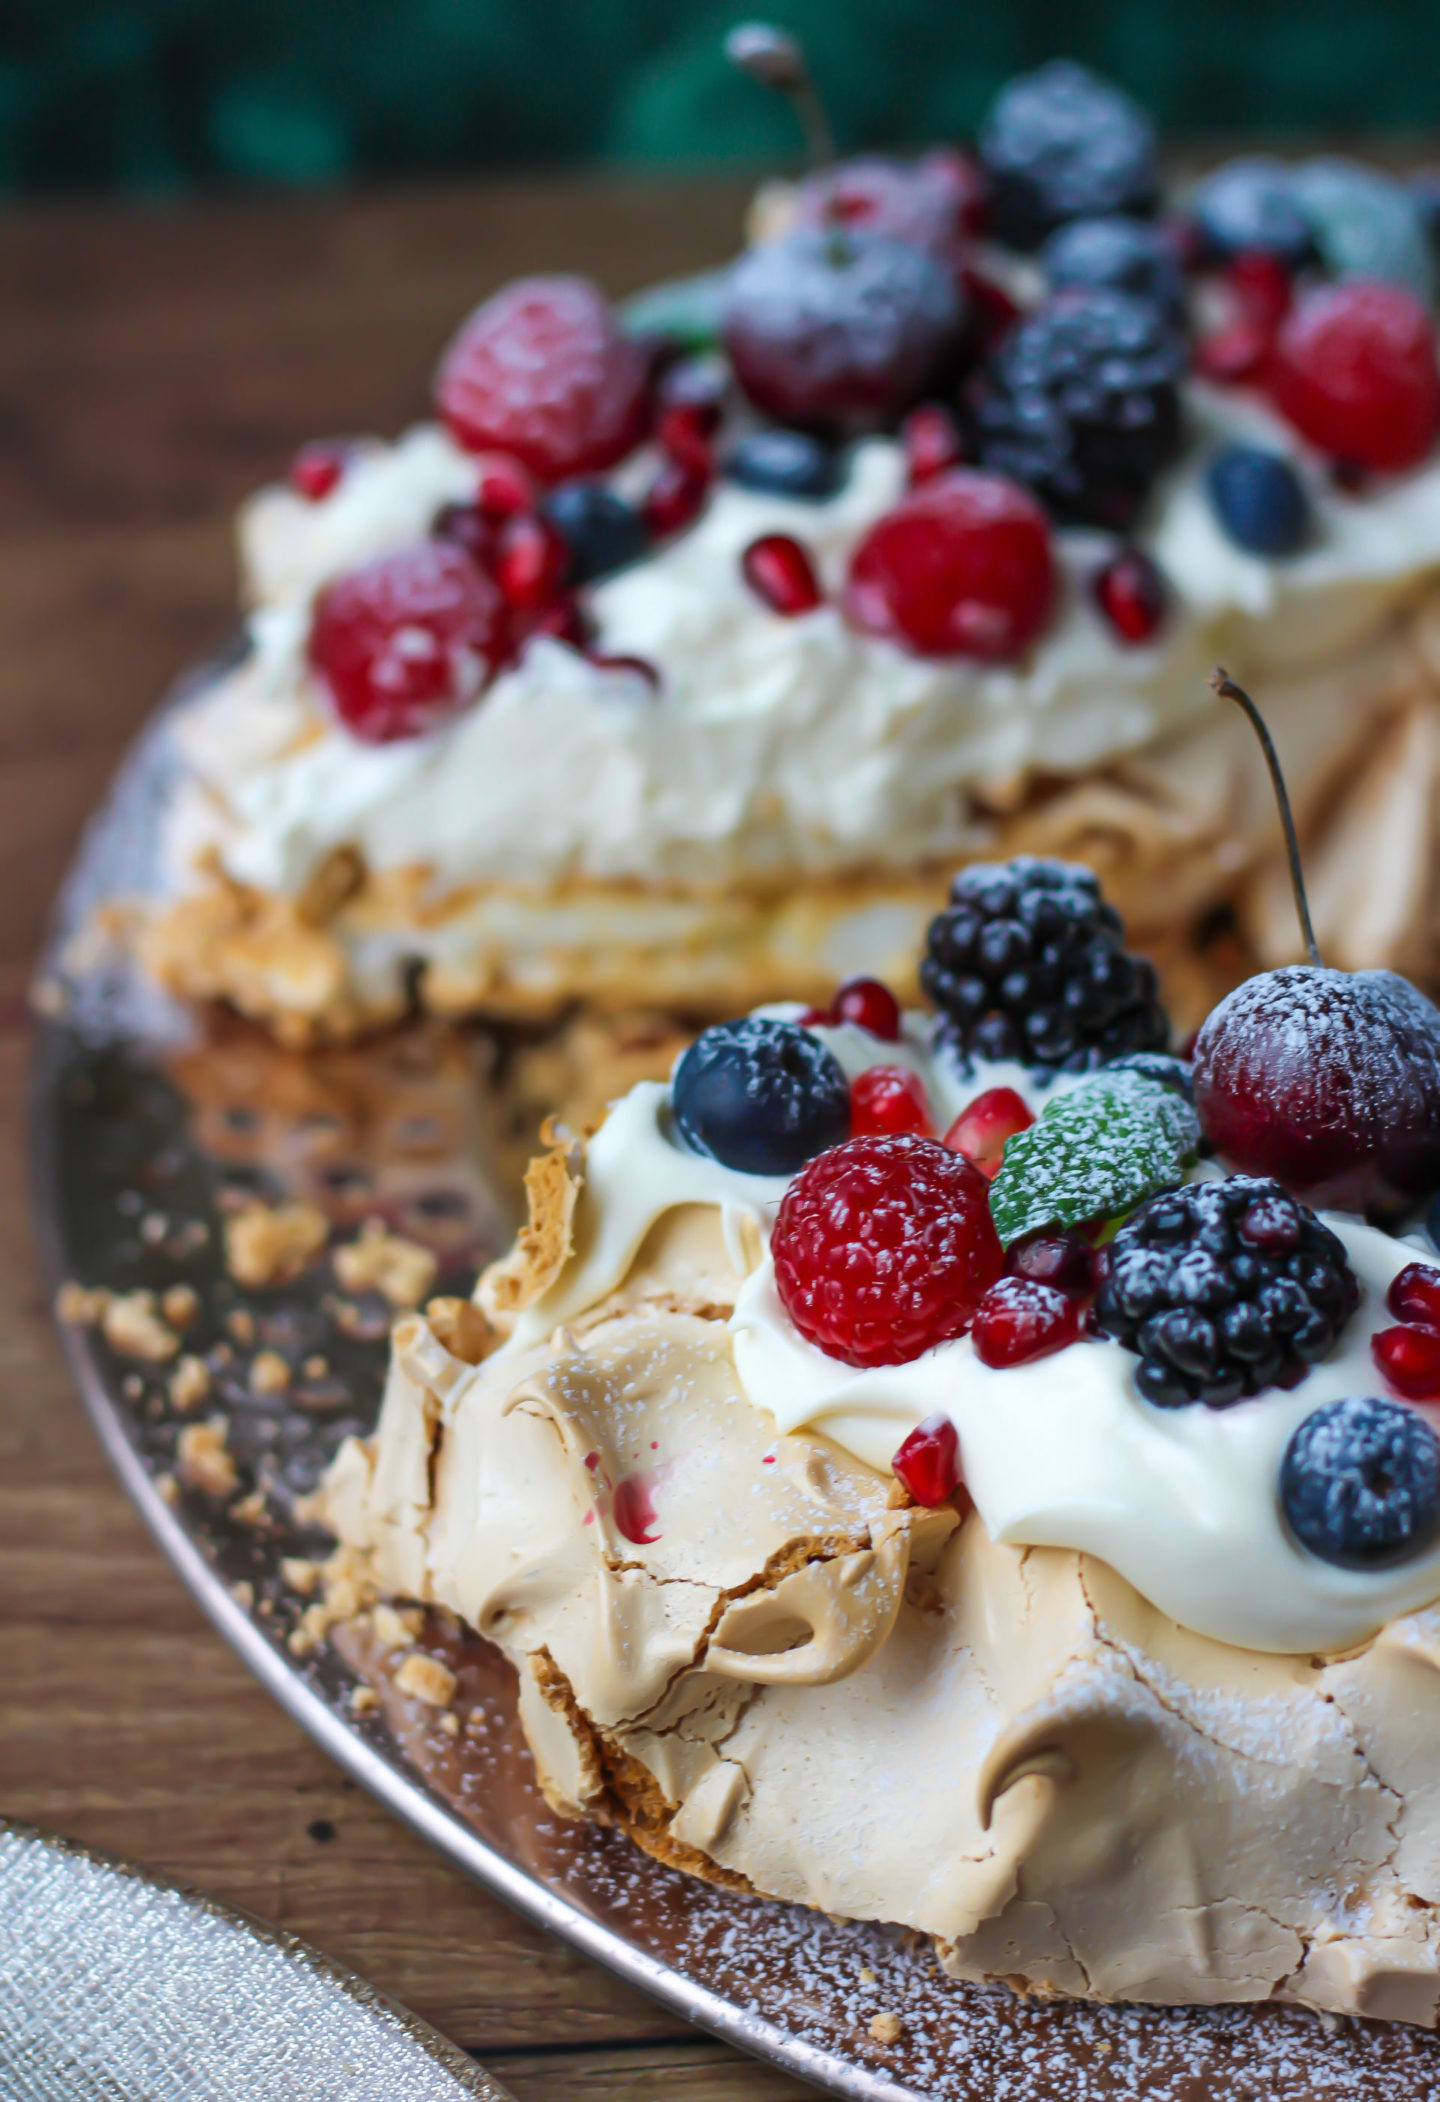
[[776, 59], [1222, 683]]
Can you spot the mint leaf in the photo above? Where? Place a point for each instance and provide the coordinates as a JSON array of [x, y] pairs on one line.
[[1094, 1153]]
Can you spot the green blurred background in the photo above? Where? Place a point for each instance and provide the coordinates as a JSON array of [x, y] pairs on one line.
[[157, 97]]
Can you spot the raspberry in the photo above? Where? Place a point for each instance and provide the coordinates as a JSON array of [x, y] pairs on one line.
[[1028, 962], [1082, 404], [1354, 369], [1020, 1319], [889, 1098], [781, 573], [1223, 1289], [928, 1461], [543, 371], [960, 568], [407, 641], [884, 1247], [980, 1131]]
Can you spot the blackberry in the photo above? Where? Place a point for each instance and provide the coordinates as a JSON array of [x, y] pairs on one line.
[[1360, 1483], [1224, 1288], [1028, 963], [1117, 255], [1059, 144], [1082, 403]]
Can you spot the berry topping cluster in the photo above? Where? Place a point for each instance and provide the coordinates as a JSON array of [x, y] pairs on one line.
[[1224, 1288], [1029, 962]]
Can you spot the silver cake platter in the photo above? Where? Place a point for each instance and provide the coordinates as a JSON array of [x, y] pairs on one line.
[[147, 1124]]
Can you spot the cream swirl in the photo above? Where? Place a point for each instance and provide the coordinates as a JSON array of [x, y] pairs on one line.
[[1061, 1452], [776, 745]]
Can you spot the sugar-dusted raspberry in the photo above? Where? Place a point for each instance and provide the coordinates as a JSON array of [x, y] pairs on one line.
[[960, 568], [407, 641], [1354, 369], [1020, 1319], [889, 1098], [543, 371], [884, 1247]]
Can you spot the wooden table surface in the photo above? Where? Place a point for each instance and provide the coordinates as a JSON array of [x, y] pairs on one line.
[[152, 369]]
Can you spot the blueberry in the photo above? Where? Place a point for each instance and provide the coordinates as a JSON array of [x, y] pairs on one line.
[[600, 529], [1360, 1483], [1365, 224], [1424, 187], [784, 463], [1060, 144], [1117, 255], [1432, 1223], [760, 1096], [1259, 500], [1250, 206]]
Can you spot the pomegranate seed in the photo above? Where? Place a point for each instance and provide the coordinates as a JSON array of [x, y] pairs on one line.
[[888, 1099], [1355, 372], [1415, 1295], [674, 499], [1019, 1319], [928, 1462], [566, 619], [994, 313], [981, 1130], [869, 1005], [1234, 353], [466, 526], [503, 489], [531, 563], [619, 662], [932, 443], [960, 568], [1130, 592], [317, 468], [1064, 1260], [1409, 1357], [1261, 289], [779, 571], [684, 431]]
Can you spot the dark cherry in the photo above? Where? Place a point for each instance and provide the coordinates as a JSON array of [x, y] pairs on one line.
[[1327, 1080], [933, 203], [840, 330]]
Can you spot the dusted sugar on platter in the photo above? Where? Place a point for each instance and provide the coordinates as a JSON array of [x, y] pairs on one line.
[[975, 1471], [683, 654]]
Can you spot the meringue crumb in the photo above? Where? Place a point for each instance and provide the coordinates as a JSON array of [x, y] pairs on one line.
[[390, 1628], [898, 1497], [132, 1386], [300, 1642], [868, 1977], [241, 1324], [462, 1328], [316, 1367], [475, 1721], [270, 1244], [133, 1329], [299, 1575], [251, 1509], [364, 1700], [308, 1510], [180, 1305], [243, 1594], [205, 1463], [189, 1384], [886, 2027], [81, 1306], [167, 1489], [400, 1270], [450, 1723], [426, 1679], [269, 1373], [153, 1229]]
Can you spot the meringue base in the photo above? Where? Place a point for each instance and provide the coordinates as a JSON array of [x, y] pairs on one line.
[[757, 1657], [1173, 831]]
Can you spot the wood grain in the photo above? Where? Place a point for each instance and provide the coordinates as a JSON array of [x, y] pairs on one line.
[[152, 369]]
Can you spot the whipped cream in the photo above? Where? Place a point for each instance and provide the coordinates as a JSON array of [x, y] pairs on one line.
[[1061, 1452], [775, 746]]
